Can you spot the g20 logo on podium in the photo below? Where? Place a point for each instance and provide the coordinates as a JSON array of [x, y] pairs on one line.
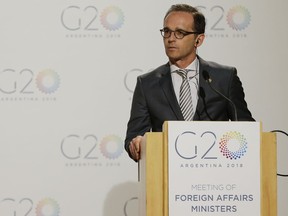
[[206, 146], [233, 145]]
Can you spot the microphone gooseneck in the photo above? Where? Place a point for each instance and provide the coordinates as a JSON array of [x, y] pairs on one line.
[[208, 79], [203, 95]]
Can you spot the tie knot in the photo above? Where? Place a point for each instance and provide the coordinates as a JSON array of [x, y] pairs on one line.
[[183, 73]]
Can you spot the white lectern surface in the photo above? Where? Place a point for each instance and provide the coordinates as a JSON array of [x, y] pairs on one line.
[[214, 168]]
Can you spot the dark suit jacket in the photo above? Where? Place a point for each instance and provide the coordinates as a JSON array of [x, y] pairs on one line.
[[154, 99]]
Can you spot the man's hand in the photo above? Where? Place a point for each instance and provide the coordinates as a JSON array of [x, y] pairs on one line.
[[135, 147]]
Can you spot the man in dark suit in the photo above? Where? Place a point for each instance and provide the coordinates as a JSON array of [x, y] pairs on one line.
[[156, 97]]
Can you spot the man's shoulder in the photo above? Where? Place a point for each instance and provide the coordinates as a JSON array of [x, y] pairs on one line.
[[219, 66], [212, 65], [156, 73]]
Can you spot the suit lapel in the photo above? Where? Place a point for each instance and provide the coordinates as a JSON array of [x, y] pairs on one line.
[[167, 87]]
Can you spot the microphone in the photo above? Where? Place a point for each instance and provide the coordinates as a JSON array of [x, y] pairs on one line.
[[203, 95], [208, 79]]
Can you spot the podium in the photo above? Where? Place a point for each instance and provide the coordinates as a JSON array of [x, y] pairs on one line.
[[155, 172]]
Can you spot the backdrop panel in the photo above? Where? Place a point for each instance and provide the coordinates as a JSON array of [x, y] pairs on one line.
[[67, 75]]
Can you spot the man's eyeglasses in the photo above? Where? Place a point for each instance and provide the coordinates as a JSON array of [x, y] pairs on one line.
[[179, 34]]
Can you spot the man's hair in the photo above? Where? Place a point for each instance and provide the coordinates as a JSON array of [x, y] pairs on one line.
[[199, 19]]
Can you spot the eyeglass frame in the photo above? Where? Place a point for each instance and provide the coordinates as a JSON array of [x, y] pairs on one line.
[[185, 33]]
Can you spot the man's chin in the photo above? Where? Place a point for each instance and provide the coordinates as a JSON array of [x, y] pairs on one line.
[[173, 59]]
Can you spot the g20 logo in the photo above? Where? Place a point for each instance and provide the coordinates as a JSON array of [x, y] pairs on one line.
[[233, 145], [75, 147], [189, 145], [23, 81], [24, 207], [238, 17], [47, 207], [75, 18], [12, 207]]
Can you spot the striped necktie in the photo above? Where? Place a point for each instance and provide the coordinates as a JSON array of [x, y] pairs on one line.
[[185, 98]]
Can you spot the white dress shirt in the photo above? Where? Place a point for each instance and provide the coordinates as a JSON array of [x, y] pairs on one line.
[[193, 77]]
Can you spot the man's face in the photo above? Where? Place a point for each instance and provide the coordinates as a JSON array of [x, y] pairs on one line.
[[180, 50]]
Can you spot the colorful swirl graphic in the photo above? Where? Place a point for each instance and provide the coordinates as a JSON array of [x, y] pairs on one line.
[[233, 138], [47, 207], [47, 81], [112, 18], [238, 18], [111, 146]]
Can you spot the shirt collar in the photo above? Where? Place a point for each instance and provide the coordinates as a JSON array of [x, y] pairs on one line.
[[191, 67]]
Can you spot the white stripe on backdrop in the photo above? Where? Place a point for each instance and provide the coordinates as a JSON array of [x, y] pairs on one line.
[[67, 73]]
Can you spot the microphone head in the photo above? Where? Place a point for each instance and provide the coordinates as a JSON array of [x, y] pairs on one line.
[[206, 76]]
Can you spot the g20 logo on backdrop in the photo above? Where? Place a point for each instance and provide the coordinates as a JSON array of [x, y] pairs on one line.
[[26, 206], [91, 18], [48, 81], [219, 19], [190, 145], [47, 207], [111, 146], [238, 18], [86, 148], [24, 81]]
